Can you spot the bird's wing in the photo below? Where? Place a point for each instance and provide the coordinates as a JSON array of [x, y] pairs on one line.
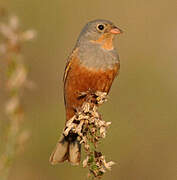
[[68, 64], [67, 69]]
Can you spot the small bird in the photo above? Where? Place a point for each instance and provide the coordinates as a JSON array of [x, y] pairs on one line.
[[92, 66]]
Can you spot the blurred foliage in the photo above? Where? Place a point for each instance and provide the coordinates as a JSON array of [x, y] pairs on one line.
[[12, 38], [142, 138]]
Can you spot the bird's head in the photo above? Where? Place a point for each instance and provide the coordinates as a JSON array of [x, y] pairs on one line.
[[101, 32]]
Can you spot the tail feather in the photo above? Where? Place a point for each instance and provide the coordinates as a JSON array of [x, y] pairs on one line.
[[74, 153], [66, 149]]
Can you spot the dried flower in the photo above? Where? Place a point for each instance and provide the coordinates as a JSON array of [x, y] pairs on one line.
[[91, 128]]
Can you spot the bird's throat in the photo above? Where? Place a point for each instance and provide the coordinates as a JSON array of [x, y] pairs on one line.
[[106, 41]]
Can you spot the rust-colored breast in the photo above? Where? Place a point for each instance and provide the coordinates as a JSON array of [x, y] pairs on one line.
[[79, 79]]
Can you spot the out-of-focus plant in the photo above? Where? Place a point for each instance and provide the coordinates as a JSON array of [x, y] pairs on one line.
[[11, 42]]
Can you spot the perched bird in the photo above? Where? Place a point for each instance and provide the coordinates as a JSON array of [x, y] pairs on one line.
[[92, 66]]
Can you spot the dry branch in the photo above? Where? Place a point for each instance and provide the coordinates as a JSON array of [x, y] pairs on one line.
[[91, 128]]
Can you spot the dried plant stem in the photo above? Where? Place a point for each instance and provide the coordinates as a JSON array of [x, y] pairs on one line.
[[91, 128], [16, 80]]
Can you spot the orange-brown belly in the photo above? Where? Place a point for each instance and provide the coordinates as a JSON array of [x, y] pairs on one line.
[[81, 79]]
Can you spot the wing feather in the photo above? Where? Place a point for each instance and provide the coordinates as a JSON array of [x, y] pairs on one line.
[[67, 69]]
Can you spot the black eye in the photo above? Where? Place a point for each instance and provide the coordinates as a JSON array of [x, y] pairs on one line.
[[100, 27]]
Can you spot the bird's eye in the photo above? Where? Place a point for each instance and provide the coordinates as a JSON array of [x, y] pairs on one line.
[[100, 27]]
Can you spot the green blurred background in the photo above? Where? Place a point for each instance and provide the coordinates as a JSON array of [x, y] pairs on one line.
[[143, 101]]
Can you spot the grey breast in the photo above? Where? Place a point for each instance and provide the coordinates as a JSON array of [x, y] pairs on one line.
[[95, 57]]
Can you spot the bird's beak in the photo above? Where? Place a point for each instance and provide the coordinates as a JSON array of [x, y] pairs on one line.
[[115, 30]]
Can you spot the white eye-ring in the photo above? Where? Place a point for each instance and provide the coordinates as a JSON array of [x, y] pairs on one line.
[[100, 27]]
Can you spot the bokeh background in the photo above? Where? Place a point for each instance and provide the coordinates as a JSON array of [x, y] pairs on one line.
[[142, 139]]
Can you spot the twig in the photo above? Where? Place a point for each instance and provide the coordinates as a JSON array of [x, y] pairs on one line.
[[91, 128]]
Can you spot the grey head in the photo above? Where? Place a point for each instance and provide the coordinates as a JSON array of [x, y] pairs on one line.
[[95, 44], [93, 30]]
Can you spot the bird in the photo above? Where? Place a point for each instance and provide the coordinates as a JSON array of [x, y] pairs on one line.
[[92, 66]]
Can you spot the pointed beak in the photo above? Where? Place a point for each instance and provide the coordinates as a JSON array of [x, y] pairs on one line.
[[115, 30]]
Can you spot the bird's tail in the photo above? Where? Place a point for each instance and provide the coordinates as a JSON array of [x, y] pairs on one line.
[[68, 148]]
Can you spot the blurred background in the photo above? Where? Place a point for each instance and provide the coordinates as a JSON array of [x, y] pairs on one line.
[[142, 139]]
